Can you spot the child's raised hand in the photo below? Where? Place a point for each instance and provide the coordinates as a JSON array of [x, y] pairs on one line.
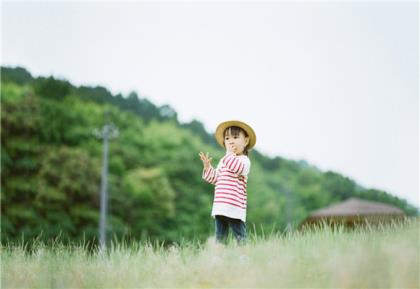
[[230, 150], [205, 159]]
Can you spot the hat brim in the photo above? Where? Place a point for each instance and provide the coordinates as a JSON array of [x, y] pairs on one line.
[[224, 125]]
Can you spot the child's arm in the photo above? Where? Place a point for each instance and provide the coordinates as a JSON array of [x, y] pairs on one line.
[[237, 165], [209, 173]]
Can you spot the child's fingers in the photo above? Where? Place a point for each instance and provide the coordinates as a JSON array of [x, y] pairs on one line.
[[203, 157]]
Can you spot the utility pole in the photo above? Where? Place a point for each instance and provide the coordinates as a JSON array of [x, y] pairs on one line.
[[289, 205], [108, 131]]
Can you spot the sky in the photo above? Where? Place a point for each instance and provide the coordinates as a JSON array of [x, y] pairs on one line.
[[334, 83]]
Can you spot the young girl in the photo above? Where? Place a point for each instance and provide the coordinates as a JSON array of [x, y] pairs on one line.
[[230, 178]]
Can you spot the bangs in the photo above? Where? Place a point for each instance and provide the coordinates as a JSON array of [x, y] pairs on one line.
[[234, 131]]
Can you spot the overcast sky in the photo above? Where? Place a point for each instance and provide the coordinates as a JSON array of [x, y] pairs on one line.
[[333, 83]]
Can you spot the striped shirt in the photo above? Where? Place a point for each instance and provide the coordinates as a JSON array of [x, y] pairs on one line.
[[230, 179]]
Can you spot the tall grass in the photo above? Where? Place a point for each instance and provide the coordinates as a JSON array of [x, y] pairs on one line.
[[382, 257]]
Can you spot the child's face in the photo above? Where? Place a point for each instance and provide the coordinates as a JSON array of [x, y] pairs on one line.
[[236, 143]]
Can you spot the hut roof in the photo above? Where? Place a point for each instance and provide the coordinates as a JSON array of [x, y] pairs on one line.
[[357, 207]]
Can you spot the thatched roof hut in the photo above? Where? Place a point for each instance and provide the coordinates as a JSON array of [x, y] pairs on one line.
[[354, 211]]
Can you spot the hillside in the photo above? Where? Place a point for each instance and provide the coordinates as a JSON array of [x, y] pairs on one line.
[[51, 166]]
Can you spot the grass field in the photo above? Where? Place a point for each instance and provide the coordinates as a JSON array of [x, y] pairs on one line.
[[386, 257]]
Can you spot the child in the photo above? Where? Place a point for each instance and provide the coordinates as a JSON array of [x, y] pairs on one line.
[[230, 179]]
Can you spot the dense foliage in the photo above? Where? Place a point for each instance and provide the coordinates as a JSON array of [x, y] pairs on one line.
[[51, 166]]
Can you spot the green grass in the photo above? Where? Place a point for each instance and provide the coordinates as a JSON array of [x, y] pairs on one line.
[[385, 257]]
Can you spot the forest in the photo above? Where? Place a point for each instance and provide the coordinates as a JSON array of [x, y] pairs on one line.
[[51, 169]]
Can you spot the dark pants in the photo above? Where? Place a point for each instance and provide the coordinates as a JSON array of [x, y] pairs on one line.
[[222, 229]]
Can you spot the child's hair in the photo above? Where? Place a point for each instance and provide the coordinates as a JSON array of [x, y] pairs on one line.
[[235, 131]]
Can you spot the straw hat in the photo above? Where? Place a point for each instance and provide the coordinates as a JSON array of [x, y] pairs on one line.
[[224, 125]]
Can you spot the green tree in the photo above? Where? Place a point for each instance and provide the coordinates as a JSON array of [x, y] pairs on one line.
[[147, 200], [52, 88], [68, 192]]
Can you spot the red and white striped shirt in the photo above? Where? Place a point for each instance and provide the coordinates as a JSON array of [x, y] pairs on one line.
[[230, 179]]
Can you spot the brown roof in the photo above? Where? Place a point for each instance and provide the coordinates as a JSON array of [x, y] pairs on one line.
[[357, 207]]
